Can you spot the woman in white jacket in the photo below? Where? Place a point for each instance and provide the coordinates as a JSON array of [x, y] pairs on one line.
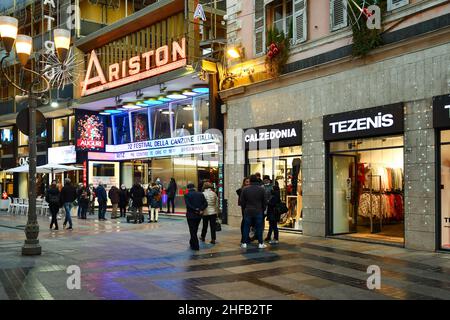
[[210, 213]]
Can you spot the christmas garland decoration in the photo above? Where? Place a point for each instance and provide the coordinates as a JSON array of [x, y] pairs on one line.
[[365, 39], [277, 52]]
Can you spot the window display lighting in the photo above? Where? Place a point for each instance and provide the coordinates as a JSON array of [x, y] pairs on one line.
[[176, 96], [189, 93], [201, 90], [153, 102]]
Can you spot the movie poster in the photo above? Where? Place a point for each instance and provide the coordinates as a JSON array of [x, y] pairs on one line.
[[90, 131]]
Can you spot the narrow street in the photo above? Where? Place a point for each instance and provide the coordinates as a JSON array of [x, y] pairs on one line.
[[153, 261]]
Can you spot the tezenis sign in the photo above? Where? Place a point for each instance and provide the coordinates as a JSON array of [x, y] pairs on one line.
[[145, 65]]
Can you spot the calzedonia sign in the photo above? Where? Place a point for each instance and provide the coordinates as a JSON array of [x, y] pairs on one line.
[[279, 135], [441, 111], [379, 121], [145, 65]]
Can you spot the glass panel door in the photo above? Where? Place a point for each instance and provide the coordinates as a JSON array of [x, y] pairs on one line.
[[445, 197], [344, 212]]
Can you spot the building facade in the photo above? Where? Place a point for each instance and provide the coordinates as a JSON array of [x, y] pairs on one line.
[[370, 164]]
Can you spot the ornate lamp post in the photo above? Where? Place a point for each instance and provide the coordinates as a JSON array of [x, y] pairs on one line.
[[23, 46]]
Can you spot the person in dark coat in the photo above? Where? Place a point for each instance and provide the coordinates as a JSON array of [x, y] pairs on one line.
[[68, 196], [114, 196], [54, 202], [253, 201], [137, 194], [154, 201], [245, 183], [102, 200], [83, 201], [195, 204], [273, 216], [123, 200], [171, 194]]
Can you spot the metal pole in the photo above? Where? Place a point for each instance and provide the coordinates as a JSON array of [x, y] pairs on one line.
[[31, 246]]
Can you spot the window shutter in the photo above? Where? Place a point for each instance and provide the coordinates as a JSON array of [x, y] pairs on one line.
[[338, 13], [259, 27], [394, 4], [300, 25]]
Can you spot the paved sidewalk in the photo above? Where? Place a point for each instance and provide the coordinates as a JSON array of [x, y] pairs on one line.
[[153, 261]]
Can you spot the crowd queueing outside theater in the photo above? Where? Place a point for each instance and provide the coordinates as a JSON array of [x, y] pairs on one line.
[[258, 198]]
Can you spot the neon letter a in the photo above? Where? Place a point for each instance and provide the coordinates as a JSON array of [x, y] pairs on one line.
[[99, 78]]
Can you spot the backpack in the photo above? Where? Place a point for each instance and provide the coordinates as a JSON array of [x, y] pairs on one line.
[[281, 208]]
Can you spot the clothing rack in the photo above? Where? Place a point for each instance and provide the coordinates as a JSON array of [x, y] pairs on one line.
[[372, 230]]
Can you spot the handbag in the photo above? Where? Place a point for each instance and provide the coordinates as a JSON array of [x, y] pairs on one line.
[[218, 225]]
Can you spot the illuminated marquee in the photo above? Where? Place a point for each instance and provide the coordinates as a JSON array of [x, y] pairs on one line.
[[145, 65]]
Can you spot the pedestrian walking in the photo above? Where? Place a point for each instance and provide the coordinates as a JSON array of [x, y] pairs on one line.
[[154, 201], [68, 197], [102, 200], [54, 202], [171, 194], [137, 194], [123, 200], [253, 201], [245, 183], [273, 215], [211, 213], [83, 201], [114, 196], [195, 204]]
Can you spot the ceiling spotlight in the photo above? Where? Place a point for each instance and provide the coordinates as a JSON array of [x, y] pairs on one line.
[[201, 90], [131, 106], [176, 96], [167, 112], [189, 93], [152, 102], [188, 107], [164, 99], [54, 104]]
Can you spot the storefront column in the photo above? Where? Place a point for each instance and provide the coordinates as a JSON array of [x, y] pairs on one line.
[[313, 162], [420, 208]]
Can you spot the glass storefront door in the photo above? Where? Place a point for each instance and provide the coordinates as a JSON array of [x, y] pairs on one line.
[[445, 190], [343, 186]]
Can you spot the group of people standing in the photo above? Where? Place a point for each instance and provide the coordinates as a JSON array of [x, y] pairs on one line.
[[259, 198], [201, 206]]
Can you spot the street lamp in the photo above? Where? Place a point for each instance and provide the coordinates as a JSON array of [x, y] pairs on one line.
[[24, 46]]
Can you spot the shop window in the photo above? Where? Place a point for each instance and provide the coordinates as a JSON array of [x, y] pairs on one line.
[[60, 130], [445, 190], [201, 114], [72, 128], [103, 170], [183, 119], [6, 140], [161, 118], [121, 129], [283, 166], [42, 142], [23, 139], [367, 184], [140, 125]]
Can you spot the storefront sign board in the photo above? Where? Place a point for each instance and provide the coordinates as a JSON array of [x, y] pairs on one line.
[[62, 155], [279, 135], [441, 111], [379, 121]]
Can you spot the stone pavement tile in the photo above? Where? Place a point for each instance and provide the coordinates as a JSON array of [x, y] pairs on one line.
[[261, 266], [239, 290], [146, 290]]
